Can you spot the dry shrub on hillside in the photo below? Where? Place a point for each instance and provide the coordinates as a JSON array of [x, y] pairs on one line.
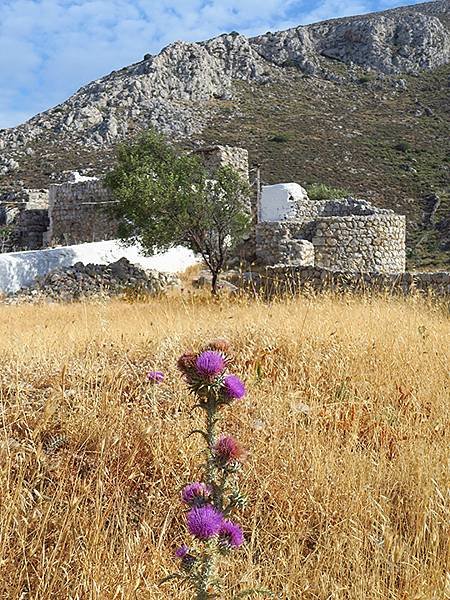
[[346, 419]]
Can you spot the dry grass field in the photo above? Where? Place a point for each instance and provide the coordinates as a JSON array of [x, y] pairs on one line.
[[346, 422]]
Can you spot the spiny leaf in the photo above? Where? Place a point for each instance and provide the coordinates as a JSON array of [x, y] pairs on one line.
[[170, 577], [202, 433]]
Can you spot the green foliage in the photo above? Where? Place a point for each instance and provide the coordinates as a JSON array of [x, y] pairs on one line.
[[280, 138], [366, 78], [321, 191], [402, 147], [164, 198]]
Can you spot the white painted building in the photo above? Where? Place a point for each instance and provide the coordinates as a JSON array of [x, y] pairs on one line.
[[279, 202]]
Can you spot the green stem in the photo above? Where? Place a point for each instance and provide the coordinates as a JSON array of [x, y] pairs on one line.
[[202, 592], [210, 434], [208, 561]]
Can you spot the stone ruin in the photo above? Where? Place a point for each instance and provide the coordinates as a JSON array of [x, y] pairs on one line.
[[315, 239], [291, 229], [345, 234], [23, 220], [74, 212]]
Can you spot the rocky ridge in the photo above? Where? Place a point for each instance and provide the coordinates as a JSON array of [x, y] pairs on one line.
[[172, 90]]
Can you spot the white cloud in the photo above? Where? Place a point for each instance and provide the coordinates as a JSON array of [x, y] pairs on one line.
[[328, 9], [49, 48]]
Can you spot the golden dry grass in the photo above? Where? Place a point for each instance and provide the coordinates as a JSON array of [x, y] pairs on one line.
[[345, 502]]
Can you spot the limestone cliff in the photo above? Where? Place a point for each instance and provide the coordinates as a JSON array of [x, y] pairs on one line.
[[173, 89]]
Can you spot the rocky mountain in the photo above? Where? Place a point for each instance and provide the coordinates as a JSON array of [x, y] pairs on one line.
[[314, 88]]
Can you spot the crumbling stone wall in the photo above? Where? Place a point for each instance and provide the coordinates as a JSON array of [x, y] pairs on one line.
[[30, 229], [78, 213], [23, 220], [347, 234], [282, 279], [78, 210], [372, 243], [214, 157], [283, 242]]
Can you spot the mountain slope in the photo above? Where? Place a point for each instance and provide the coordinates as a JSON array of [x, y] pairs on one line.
[[339, 96]]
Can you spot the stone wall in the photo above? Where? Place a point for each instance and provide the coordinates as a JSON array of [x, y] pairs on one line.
[[347, 234], [373, 243], [30, 230], [285, 279], [282, 242], [23, 220], [78, 213], [214, 157]]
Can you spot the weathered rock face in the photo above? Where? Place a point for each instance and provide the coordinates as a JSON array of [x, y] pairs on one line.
[[390, 43], [172, 90], [67, 284]]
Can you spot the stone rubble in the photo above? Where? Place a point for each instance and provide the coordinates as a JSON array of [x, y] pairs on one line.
[[80, 281]]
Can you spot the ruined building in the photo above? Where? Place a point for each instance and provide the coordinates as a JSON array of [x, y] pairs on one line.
[[340, 234], [344, 234]]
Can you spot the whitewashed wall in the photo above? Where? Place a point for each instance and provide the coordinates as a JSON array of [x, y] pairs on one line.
[[280, 201], [20, 269]]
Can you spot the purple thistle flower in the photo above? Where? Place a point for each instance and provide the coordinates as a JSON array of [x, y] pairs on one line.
[[204, 522], [209, 364], [182, 551], [227, 449], [231, 535], [187, 559], [233, 387], [155, 376], [196, 494]]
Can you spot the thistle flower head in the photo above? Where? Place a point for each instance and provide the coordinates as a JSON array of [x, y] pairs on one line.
[[182, 551], [187, 559], [155, 376], [186, 363], [233, 388], [219, 345], [227, 450], [204, 522], [230, 535], [209, 364], [222, 347], [196, 494]]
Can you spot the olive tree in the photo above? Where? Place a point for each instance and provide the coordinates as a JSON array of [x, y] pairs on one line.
[[163, 198]]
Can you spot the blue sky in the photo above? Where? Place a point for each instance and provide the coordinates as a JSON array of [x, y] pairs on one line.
[[50, 48]]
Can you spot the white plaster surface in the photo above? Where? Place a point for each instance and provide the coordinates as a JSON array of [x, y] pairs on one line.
[[20, 269], [279, 201]]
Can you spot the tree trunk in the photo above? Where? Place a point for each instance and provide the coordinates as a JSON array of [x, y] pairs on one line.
[[215, 277]]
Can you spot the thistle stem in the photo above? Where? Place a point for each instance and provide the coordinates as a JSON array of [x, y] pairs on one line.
[[210, 434], [209, 558], [206, 575]]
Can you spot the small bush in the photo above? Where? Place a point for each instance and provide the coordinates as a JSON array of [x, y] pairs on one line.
[[279, 138], [321, 191], [366, 78], [402, 147]]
